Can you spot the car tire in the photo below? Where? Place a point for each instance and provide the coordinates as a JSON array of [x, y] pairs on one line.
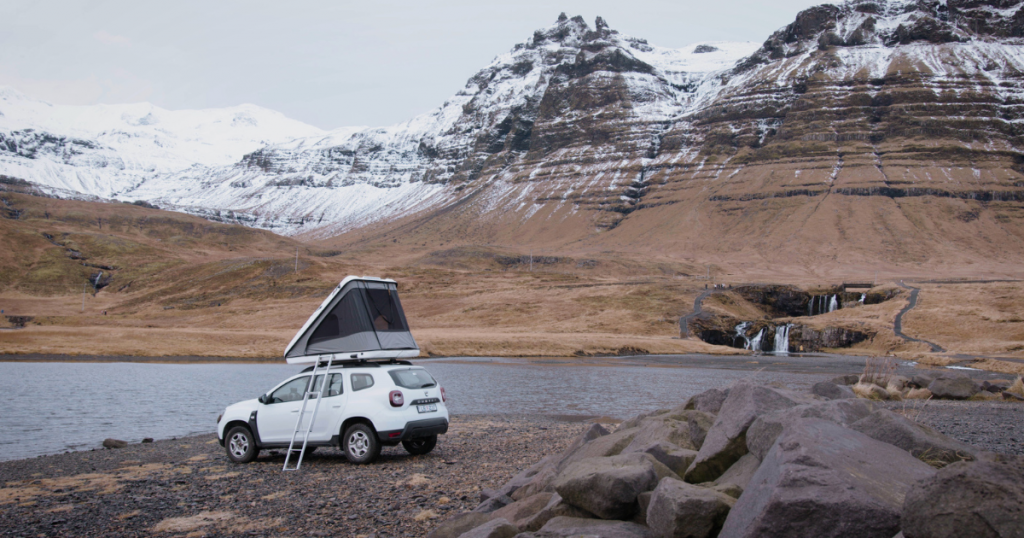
[[360, 444], [420, 445], [240, 445]]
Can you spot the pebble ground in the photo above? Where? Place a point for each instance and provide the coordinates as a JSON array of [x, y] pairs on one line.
[[187, 487]]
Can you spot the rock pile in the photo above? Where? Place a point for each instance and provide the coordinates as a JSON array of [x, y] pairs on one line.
[[922, 386], [754, 460]]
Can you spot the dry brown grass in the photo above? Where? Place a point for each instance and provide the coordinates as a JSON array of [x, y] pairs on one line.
[[185, 286]]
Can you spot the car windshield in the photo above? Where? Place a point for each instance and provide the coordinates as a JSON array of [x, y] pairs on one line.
[[412, 378]]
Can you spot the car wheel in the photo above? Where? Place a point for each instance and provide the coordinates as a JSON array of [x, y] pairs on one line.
[[361, 444], [420, 445], [240, 445]]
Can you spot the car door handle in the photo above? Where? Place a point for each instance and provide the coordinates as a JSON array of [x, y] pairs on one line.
[[336, 406], [295, 411]]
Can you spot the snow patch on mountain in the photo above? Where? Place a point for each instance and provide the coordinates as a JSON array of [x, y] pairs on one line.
[[104, 149]]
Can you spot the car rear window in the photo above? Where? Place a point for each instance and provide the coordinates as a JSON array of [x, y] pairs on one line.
[[412, 378]]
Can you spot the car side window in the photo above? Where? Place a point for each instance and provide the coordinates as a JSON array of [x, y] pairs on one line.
[[335, 387], [290, 391], [361, 381]]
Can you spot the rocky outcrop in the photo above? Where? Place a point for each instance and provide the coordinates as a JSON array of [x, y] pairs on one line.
[[726, 442], [680, 509], [821, 479], [983, 498], [815, 467], [954, 387]]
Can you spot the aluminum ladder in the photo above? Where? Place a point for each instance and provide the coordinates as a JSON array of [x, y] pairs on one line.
[[309, 393]]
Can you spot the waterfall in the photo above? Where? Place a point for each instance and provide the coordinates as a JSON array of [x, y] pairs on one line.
[[863, 296], [741, 332], [755, 343], [782, 339], [823, 304]]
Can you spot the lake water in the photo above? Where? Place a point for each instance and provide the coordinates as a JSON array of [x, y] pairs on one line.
[[56, 407]]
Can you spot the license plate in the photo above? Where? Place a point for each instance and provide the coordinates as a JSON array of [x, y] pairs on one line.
[[426, 408]]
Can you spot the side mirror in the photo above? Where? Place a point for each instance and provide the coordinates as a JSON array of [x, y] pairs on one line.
[[262, 399]]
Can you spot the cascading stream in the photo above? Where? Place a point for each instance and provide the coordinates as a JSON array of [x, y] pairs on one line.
[[782, 339]]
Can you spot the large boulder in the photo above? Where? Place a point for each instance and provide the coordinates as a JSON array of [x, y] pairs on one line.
[[686, 429], [459, 524], [592, 432], [635, 421], [608, 445], [820, 479], [954, 386], [572, 526], [739, 475], [492, 503], [496, 528], [983, 498], [607, 487], [726, 440], [555, 507], [527, 475], [519, 512], [766, 428], [921, 441], [832, 391], [540, 482], [709, 401], [681, 509], [675, 458]]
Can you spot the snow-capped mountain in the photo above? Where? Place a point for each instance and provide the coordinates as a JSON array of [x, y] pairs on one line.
[[528, 105], [105, 149], [905, 116]]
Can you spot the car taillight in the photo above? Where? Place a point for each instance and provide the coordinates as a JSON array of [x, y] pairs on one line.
[[396, 398], [444, 397]]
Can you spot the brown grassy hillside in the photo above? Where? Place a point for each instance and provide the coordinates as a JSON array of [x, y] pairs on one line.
[[174, 284]]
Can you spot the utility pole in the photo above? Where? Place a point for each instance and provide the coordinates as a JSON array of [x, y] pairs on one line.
[[296, 259]]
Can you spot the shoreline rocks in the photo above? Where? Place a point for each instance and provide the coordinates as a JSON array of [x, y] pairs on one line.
[[756, 460]]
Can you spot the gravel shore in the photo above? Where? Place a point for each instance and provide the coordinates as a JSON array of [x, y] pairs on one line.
[[991, 426], [188, 487]]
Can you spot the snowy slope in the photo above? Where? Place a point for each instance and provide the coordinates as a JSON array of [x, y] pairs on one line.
[[104, 149], [348, 178]]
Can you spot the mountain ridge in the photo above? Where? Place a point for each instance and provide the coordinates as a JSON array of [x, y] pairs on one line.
[[863, 132]]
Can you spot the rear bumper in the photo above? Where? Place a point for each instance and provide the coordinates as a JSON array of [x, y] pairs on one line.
[[415, 429]]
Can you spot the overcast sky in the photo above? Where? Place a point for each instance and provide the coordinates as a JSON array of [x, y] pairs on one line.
[[327, 63]]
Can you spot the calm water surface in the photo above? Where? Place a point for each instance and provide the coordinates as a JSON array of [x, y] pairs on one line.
[[56, 407]]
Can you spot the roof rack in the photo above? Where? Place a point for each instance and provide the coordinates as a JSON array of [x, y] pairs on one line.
[[358, 364]]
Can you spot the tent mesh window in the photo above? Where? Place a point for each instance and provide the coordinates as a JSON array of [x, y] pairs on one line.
[[385, 309], [347, 318]]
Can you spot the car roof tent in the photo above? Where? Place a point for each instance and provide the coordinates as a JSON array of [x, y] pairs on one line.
[[361, 319]]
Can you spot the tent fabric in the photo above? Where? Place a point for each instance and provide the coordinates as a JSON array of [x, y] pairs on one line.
[[364, 316]]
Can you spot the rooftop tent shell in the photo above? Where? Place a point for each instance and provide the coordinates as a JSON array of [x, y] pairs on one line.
[[361, 319]]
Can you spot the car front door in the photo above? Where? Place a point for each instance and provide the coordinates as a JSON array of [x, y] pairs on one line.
[[328, 417], [276, 418]]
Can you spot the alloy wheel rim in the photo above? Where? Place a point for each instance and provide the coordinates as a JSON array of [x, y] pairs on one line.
[[358, 444], [239, 445]]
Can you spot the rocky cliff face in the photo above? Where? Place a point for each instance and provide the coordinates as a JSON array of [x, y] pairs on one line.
[[869, 130], [570, 114]]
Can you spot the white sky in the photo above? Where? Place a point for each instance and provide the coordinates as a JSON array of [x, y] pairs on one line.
[[327, 63]]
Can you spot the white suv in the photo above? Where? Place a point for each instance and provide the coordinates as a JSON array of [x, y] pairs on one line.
[[365, 405]]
